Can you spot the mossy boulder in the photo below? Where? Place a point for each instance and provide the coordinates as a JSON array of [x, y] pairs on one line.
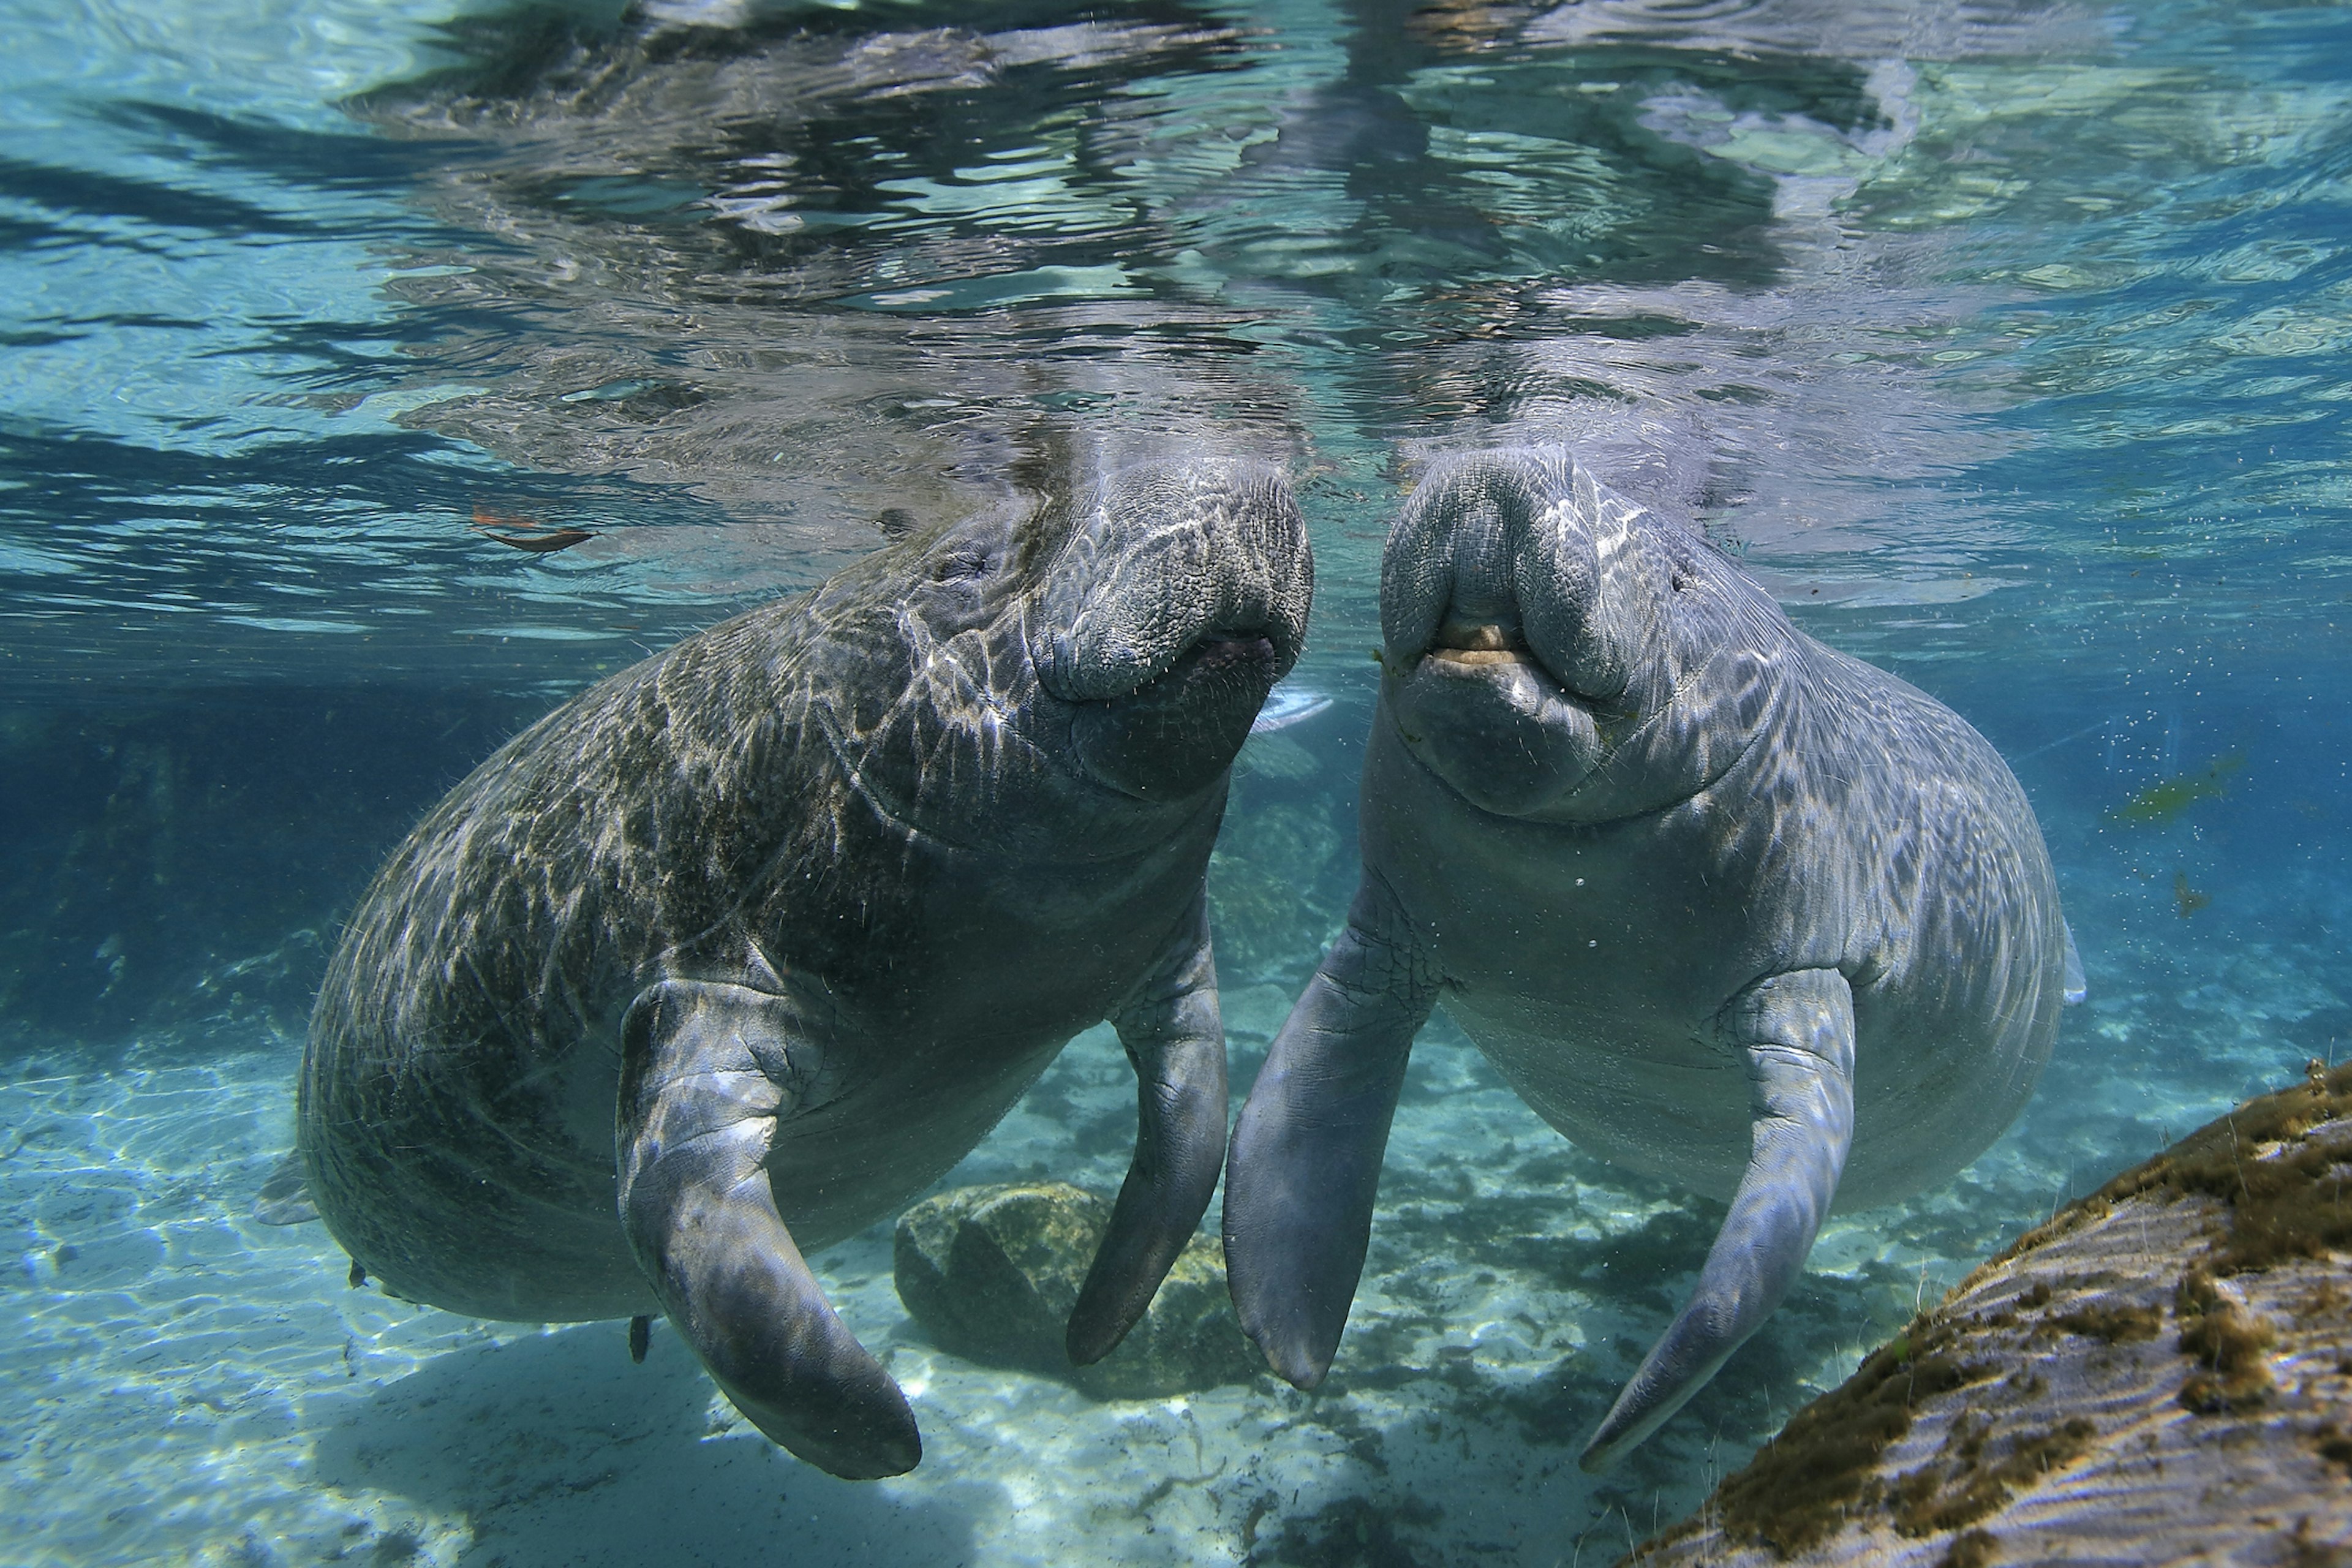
[[2162, 1372], [992, 1272]]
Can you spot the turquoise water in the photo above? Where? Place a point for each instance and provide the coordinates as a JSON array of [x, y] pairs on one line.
[[2004, 344]]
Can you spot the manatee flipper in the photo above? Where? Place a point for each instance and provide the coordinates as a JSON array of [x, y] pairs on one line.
[[1305, 1160], [2076, 986], [1175, 1037], [1796, 1031], [285, 1195], [707, 1069]]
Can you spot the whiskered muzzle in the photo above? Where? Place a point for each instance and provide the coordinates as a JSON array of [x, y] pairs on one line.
[[1178, 601], [1165, 558], [1182, 731]]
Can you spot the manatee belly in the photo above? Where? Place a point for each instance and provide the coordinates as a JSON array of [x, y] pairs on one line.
[[465, 1179], [1677, 1114], [1661, 1105]]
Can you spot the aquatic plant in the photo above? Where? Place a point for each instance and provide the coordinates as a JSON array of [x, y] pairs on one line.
[[2187, 900], [2168, 798]]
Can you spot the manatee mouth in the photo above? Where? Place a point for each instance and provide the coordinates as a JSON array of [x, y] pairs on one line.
[[1474, 643], [1481, 711], [1183, 727], [1218, 652]]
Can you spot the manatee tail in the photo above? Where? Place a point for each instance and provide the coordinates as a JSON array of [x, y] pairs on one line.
[[1305, 1160], [707, 1068], [1797, 1033]]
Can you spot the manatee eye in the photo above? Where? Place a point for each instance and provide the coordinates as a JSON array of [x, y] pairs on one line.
[[963, 566]]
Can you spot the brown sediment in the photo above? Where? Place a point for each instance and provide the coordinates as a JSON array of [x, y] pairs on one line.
[[2282, 1202], [2164, 1369], [1802, 1485]]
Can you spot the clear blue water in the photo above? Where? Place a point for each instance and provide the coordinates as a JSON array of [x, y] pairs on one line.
[[2008, 345]]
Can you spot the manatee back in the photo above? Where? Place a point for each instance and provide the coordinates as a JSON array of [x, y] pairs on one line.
[[1958, 946]]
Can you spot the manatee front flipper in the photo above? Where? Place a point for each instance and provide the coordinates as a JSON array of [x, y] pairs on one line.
[[1175, 1038], [707, 1069], [285, 1195], [1796, 1031], [1305, 1160], [2074, 987]]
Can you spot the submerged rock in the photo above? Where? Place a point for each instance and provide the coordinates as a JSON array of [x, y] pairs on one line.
[[2161, 1372], [991, 1273]]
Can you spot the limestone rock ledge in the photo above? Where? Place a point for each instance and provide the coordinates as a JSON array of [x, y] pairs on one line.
[[992, 1272], [2162, 1374]]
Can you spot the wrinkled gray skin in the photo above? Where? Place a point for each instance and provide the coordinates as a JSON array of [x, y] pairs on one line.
[[735, 952], [1723, 905]]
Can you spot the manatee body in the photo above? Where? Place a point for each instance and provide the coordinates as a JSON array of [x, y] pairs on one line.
[[736, 952], [1722, 905]]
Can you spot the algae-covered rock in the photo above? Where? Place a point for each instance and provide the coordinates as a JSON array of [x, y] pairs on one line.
[[2161, 1373], [992, 1272]]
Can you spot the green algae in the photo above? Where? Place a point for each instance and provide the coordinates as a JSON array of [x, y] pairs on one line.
[[2117, 1325], [2281, 1198], [1965, 1486], [2230, 1347], [2166, 800], [1805, 1483], [2284, 1196]]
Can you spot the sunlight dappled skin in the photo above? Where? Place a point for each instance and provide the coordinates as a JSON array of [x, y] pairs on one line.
[[809, 901], [1725, 906]]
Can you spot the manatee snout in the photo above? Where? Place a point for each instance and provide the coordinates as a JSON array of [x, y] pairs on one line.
[[1179, 600], [1184, 730], [1509, 629]]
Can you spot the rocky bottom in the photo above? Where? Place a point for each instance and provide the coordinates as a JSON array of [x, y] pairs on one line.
[[181, 1384], [2161, 1373]]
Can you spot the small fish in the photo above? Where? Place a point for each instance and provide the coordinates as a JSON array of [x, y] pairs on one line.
[[2186, 898], [2164, 801], [1287, 706], [538, 538]]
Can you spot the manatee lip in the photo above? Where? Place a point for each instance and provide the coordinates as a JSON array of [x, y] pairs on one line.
[[1220, 650], [1473, 643]]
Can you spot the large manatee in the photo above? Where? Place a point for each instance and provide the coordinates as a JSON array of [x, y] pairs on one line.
[[736, 952], [1722, 904]]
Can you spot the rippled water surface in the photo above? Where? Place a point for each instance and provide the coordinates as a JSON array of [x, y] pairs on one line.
[[2004, 344]]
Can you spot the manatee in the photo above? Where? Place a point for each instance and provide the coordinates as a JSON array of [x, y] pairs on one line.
[[738, 950], [1721, 904]]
